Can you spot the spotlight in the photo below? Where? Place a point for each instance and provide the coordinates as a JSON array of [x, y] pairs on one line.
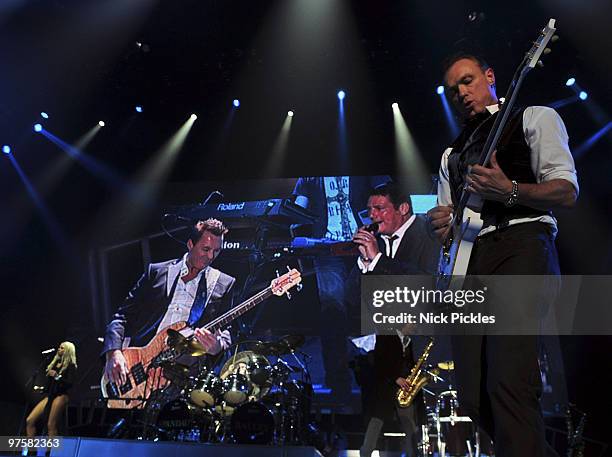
[[341, 95], [101, 123], [394, 105], [583, 95], [144, 47], [440, 90], [236, 103], [6, 149], [570, 82], [476, 17], [139, 109], [37, 127], [44, 115], [193, 117], [290, 113]]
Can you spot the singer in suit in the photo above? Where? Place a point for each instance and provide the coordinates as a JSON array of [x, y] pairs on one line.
[[186, 289], [401, 246], [336, 200]]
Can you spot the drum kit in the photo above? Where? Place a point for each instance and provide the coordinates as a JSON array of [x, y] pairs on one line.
[[248, 400], [446, 432]]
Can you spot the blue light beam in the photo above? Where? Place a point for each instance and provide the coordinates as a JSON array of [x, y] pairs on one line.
[[590, 142]]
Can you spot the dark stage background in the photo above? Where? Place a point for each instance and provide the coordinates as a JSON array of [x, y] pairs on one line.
[[84, 61]]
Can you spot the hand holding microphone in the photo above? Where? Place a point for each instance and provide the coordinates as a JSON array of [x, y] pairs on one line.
[[365, 238]]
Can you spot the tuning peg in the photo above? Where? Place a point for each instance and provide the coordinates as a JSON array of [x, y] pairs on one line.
[[288, 295], [547, 51], [277, 274], [554, 38], [540, 64], [299, 287]]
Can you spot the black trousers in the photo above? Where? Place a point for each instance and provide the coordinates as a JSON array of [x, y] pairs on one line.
[[498, 377]]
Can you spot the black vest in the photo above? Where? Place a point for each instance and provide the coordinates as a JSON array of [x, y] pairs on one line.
[[513, 156]]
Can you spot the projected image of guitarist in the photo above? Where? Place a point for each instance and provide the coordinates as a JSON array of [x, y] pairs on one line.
[[187, 290], [499, 182]]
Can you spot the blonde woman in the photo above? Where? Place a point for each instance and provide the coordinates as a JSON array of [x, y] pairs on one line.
[[60, 372]]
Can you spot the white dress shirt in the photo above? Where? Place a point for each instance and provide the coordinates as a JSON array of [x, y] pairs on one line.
[[551, 158], [184, 293], [184, 297]]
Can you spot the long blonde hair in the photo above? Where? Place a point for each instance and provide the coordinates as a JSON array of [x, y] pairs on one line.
[[66, 359]]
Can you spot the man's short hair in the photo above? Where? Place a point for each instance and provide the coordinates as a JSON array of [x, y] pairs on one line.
[[393, 192], [450, 61], [211, 225]]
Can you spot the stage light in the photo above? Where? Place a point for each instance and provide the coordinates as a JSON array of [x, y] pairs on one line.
[[236, 103], [6, 149], [341, 95], [583, 95], [44, 115], [440, 90], [37, 127], [101, 123], [193, 117], [394, 106], [290, 113], [570, 82], [138, 109]]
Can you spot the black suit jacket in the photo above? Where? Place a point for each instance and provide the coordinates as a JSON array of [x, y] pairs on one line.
[[146, 304], [417, 253]]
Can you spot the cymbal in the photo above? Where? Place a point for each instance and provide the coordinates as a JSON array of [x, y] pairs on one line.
[[176, 368], [285, 345], [195, 348], [182, 344], [176, 340], [446, 365], [293, 341]]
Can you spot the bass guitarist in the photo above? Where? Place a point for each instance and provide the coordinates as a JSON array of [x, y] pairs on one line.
[[531, 174], [187, 289]]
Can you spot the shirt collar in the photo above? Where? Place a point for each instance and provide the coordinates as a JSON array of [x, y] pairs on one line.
[[400, 231], [492, 109], [185, 269], [180, 268]]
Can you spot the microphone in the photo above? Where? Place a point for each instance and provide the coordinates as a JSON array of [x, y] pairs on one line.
[[177, 217], [48, 351], [214, 192], [372, 228], [352, 246]]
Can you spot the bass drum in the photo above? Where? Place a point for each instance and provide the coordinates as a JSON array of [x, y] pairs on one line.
[[181, 421], [252, 423]]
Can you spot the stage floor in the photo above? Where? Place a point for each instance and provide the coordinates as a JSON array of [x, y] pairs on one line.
[[100, 447]]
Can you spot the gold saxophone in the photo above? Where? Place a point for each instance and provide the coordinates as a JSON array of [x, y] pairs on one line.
[[416, 380]]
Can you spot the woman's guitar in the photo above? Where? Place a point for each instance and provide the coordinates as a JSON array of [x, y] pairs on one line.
[[145, 372], [466, 222]]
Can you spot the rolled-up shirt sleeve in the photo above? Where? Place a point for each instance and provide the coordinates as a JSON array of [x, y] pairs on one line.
[[547, 137]]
